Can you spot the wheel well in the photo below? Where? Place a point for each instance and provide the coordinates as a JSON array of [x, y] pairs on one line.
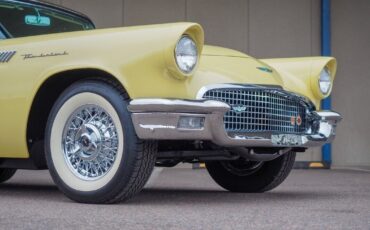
[[44, 100]]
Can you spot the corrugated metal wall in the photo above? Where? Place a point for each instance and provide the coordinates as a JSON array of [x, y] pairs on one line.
[[262, 28]]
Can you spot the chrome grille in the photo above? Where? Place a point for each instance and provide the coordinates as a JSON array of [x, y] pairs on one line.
[[261, 110]]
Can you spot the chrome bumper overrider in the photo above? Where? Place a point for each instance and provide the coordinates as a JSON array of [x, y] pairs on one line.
[[158, 119]]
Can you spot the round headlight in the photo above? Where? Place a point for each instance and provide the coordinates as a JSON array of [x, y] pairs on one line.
[[325, 81], [186, 54]]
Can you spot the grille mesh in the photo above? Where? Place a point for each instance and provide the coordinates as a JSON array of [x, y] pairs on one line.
[[260, 110]]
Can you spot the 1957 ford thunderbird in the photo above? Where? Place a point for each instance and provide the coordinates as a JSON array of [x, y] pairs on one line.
[[100, 108]]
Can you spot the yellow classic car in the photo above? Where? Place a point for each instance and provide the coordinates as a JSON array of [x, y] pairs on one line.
[[100, 108]]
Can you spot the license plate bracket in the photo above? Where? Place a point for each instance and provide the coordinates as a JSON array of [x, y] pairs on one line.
[[286, 139]]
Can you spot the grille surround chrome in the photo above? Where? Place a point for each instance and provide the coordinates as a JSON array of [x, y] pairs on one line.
[[263, 109]]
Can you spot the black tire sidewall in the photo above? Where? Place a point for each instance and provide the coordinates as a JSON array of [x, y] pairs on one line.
[[6, 174], [126, 166], [270, 175]]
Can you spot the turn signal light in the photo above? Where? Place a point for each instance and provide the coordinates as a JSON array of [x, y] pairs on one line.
[[186, 122]]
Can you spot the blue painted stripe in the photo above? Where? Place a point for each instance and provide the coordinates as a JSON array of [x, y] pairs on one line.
[[326, 51]]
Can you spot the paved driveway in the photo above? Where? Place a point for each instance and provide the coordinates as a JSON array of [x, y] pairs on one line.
[[189, 199]]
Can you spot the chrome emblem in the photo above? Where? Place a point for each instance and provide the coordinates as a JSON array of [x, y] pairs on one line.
[[239, 108], [296, 120], [299, 120], [5, 56], [292, 120], [265, 69]]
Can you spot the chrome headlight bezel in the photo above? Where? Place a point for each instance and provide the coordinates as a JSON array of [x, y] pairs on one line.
[[325, 81], [186, 54]]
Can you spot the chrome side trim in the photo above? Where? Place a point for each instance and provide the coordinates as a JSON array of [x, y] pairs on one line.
[[166, 105], [6, 56]]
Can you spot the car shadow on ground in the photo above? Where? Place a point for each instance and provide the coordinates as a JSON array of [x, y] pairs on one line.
[[168, 196], [173, 196]]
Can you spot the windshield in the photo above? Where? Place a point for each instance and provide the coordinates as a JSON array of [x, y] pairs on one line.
[[21, 20], [2, 36]]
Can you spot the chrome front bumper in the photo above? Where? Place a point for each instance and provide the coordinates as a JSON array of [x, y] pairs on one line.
[[158, 119]]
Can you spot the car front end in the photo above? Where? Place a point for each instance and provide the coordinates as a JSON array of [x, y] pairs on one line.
[[240, 102]]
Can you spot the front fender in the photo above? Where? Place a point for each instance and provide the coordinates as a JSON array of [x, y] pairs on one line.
[[136, 56], [301, 75]]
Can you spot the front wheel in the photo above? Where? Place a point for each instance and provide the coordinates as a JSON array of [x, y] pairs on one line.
[[92, 150], [6, 174], [251, 177]]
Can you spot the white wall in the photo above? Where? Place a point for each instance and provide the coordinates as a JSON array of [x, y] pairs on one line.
[[350, 45]]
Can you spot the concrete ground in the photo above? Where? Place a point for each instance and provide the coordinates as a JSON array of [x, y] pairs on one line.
[[189, 199]]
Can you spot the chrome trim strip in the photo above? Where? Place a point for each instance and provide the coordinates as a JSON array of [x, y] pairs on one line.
[[166, 105], [204, 89], [329, 115], [6, 56], [270, 88]]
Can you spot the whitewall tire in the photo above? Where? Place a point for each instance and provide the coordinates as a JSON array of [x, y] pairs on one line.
[[92, 150]]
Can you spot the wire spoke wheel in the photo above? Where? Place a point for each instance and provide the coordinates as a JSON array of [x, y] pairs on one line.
[[90, 142]]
